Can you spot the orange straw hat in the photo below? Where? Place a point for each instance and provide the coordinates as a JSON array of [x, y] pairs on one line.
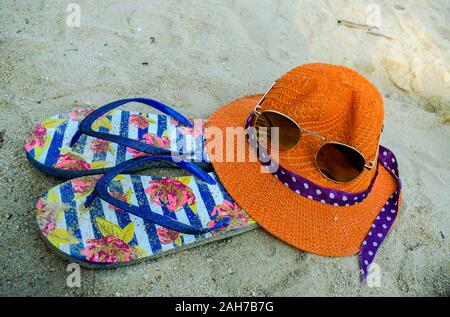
[[297, 203]]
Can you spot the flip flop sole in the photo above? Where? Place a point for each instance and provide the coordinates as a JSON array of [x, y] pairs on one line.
[[103, 236], [48, 146]]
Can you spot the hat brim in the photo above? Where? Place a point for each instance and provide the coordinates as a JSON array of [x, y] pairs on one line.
[[301, 222]]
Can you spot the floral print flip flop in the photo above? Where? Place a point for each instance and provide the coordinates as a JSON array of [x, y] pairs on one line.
[[117, 219], [92, 141]]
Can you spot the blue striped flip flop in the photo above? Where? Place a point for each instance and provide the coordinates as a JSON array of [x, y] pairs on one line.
[[117, 219], [92, 141]]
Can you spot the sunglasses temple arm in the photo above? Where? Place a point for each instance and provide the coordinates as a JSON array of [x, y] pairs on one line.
[[371, 164], [258, 105], [313, 134]]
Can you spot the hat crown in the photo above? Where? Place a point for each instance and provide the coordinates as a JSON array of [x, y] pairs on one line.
[[334, 102]]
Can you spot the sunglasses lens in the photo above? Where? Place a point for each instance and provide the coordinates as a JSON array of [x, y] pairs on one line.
[[288, 131], [340, 162]]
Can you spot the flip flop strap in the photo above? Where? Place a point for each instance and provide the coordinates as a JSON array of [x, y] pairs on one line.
[[85, 126], [144, 211]]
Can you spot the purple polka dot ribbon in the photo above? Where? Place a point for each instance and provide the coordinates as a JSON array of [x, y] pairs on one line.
[[302, 186], [386, 217]]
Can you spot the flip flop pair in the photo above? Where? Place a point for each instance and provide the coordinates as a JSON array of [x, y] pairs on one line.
[[111, 218]]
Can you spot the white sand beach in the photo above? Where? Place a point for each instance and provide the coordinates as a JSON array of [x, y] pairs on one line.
[[196, 56]]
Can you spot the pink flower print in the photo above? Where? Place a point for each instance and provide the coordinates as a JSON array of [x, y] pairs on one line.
[[99, 146], [119, 196], [45, 217], [71, 162], [139, 121], [40, 204], [49, 227], [109, 250], [80, 186], [153, 139], [170, 193], [228, 210], [212, 223], [167, 236], [84, 184], [175, 122], [136, 153], [47, 214], [36, 138], [80, 114]]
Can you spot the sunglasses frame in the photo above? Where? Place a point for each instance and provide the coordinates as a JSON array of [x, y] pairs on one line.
[[367, 165]]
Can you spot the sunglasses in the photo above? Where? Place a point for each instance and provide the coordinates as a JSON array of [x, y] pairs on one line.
[[336, 161]]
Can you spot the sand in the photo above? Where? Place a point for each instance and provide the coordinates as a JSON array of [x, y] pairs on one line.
[[197, 55]]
